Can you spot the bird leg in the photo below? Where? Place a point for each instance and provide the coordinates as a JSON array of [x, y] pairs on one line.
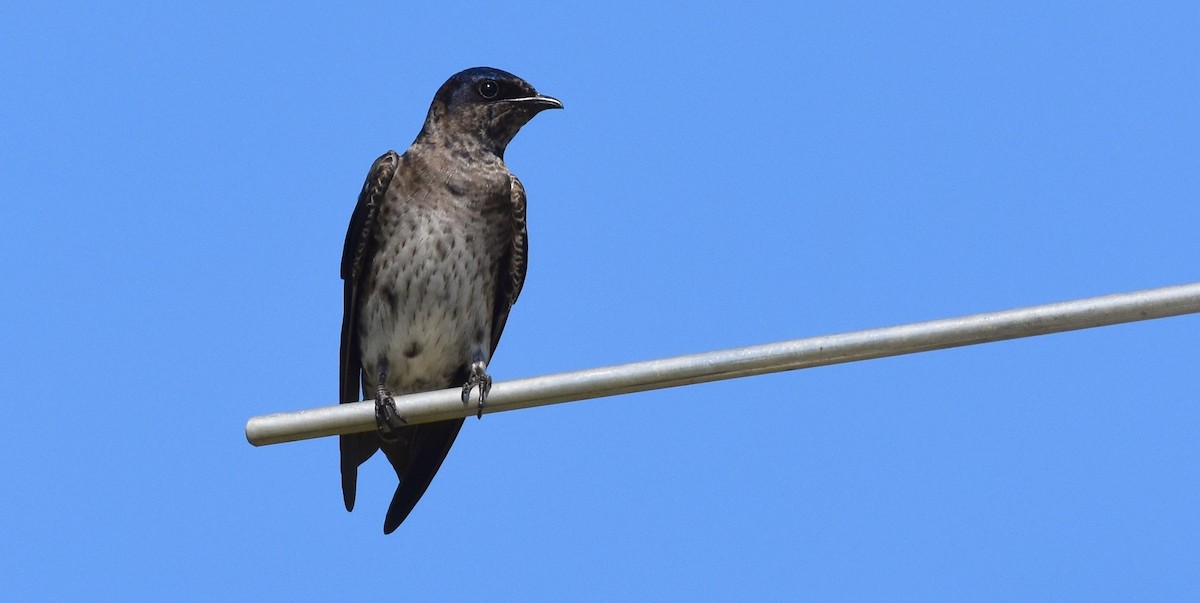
[[479, 377], [387, 418]]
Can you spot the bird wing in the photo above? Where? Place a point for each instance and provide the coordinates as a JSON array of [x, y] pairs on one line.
[[356, 256], [513, 265]]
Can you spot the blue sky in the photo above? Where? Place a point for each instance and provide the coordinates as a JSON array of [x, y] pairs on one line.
[[176, 184]]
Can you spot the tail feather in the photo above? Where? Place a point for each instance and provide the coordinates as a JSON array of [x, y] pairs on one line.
[[416, 462]]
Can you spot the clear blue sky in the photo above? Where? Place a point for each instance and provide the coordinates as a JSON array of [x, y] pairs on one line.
[[176, 181]]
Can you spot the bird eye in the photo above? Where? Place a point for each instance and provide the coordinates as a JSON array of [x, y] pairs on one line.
[[489, 89]]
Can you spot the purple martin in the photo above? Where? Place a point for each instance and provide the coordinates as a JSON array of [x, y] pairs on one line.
[[434, 259]]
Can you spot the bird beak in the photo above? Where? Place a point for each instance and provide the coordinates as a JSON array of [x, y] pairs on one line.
[[539, 102]]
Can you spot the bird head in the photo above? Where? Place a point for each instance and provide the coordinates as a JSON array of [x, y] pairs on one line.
[[485, 106]]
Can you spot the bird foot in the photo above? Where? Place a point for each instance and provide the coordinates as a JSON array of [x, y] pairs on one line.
[[479, 377], [387, 419]]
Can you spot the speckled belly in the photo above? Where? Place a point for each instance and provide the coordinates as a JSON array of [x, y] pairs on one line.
[[432, 310]]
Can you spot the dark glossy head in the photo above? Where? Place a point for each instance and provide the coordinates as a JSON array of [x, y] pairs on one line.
[[484, 105]]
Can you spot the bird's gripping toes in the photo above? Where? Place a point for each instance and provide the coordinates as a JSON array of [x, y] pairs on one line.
[[480, 378], [387, 418]]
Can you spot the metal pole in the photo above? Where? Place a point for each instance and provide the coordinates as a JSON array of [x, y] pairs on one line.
[[740, 362]]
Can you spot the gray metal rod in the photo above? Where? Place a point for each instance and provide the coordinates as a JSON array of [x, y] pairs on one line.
[[739, 362]]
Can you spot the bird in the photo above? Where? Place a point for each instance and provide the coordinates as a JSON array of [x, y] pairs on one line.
[[434, 259]]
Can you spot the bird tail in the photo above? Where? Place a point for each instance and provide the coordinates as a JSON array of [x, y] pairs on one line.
[[416, 463]]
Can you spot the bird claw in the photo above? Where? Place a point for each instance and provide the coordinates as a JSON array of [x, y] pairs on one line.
[[480, 378], [387, 419]]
